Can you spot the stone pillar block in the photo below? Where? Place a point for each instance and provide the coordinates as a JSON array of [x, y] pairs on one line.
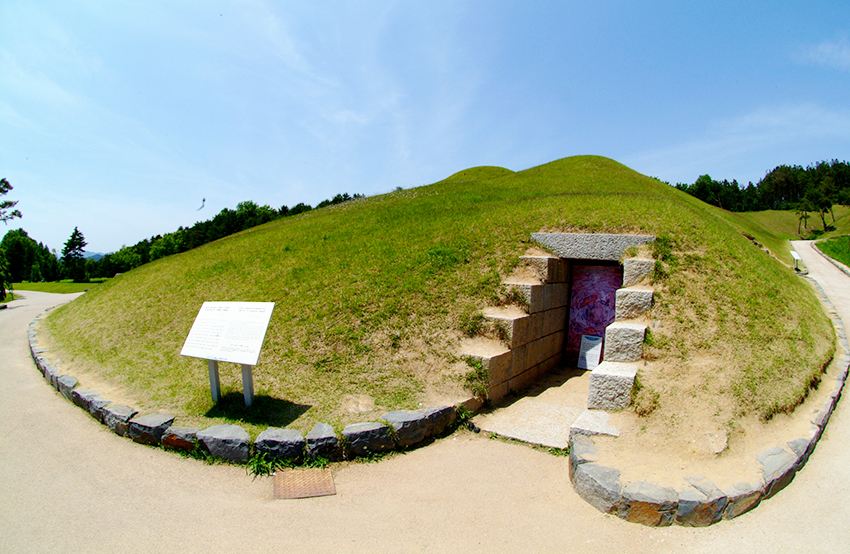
[[636, 270], [624, 342], [611, 386], [632, 302]]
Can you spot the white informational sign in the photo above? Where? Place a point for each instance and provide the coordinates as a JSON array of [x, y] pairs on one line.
[[229, 332], [589, 352]]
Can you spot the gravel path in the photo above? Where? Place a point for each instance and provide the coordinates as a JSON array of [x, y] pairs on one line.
[[67, 484]]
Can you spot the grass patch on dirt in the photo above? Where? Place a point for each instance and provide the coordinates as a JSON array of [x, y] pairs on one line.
[[373, 295], [59, 287], [837, 248]]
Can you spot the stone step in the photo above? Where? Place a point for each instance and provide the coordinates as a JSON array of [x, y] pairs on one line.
[[538, 296], [624, 341], [548, 268], [636, 270], [593, 422], [633, 302], [495, 357], [611, 385], [513, 323]]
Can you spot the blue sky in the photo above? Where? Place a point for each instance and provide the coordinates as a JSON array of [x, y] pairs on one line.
[[119, 117]]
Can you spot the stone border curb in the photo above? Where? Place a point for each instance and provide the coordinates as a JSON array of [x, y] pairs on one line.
[[399, 430], [700, 502]]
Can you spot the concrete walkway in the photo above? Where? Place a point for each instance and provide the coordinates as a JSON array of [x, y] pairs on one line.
[[543, 414], [67, 484]]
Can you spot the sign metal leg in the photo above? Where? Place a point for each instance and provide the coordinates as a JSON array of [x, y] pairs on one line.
[[215, 388], [248, 384]]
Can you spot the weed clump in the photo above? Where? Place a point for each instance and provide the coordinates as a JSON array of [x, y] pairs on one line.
[[644, 399], [476, 380]]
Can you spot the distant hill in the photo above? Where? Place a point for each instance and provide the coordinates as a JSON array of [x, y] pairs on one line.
[[94, 255]]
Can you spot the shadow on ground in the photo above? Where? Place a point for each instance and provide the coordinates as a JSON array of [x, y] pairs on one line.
[[265, 410]]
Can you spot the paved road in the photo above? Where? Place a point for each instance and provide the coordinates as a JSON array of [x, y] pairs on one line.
[[67, 484]]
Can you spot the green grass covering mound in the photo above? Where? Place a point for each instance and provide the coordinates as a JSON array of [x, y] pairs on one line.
[[371, 296], [837, 248]]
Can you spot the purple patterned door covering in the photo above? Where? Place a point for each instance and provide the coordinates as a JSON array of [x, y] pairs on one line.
[[592, 298]]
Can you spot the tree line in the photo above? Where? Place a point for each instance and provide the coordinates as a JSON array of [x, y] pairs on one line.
[[227, 222], [814, 189], [24, 259]]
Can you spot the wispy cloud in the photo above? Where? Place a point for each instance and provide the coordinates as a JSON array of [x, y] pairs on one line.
[[746, 137], [829, 53], [33, 84]]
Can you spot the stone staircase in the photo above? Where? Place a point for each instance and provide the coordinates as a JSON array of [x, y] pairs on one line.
[[611, 382], [525, 337]]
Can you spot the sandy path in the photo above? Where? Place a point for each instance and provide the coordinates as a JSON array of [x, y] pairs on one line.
[[67, 484]]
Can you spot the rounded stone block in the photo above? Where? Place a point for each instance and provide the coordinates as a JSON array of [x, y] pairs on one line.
[[83, 397], [648, 504], [742, 497], [778, 467], [582, 451], [228, 442], [117, 418], [180, 438], [416, 426], [367, 438], [65, 384], [322, 442], [599, 486], [710, 507], [281, 444], [148, 429]]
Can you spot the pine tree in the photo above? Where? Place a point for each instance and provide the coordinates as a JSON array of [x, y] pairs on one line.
[[6, 205], [73, 256]]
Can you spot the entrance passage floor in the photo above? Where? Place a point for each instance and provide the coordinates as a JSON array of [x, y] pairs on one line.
[[545, 411]]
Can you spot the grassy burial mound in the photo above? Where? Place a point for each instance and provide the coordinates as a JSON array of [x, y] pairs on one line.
[[374, 295]]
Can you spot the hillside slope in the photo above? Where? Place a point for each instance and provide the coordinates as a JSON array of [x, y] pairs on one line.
[[371, 296]]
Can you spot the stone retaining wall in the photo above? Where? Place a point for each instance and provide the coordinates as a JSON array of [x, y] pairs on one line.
[[700, 502], [396, 430]]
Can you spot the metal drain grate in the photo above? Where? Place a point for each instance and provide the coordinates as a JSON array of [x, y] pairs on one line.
[[303, 483]]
